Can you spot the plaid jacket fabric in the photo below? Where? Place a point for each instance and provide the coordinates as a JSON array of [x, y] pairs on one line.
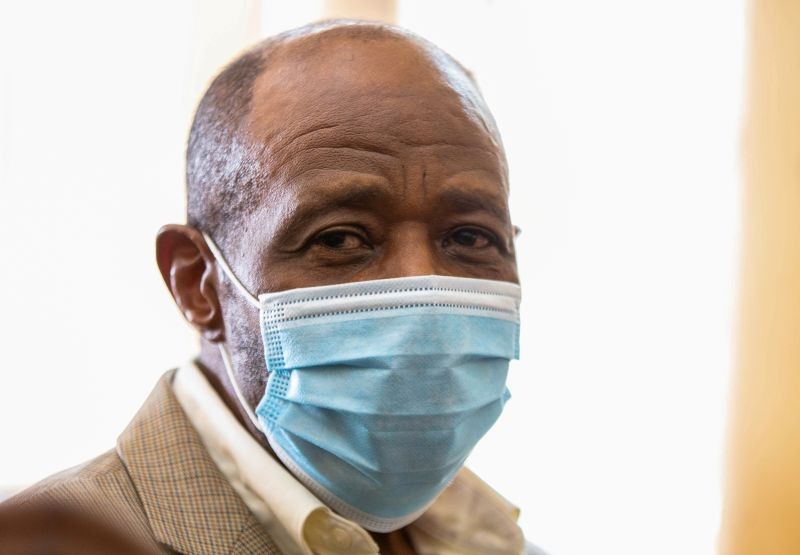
[[160, 485]]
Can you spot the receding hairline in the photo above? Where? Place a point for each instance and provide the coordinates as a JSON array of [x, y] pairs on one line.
[[307, 41], [314, 41], [352, 29]]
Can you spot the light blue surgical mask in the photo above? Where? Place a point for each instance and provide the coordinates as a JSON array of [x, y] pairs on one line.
[[378, 390]]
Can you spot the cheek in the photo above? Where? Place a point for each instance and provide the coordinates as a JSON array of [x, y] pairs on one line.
[[243, 337]]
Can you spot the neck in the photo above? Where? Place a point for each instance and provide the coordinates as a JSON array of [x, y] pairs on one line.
[[210, 363]]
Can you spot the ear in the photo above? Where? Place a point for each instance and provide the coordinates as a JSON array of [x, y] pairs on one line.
[[188, 269]]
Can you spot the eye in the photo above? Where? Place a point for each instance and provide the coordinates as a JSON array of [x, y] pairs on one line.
[[472, 237], [340, 240]]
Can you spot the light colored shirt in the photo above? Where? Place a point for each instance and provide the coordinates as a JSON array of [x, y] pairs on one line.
[[468, 518]]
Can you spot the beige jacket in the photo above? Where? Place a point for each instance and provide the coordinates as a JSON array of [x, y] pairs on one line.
[[161, 485]]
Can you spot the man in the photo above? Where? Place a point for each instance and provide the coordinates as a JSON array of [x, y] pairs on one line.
[[349, 266]]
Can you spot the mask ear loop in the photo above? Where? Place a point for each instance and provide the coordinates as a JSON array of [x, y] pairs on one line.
[[226, 360], [223, 350], [229, 272]]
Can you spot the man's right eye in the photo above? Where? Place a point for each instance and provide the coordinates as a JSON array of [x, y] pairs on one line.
[[341, 240]]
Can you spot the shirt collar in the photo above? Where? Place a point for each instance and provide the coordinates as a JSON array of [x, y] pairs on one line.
[[468, 517]]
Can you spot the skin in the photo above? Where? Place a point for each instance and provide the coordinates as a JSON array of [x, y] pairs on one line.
[[382, 162]]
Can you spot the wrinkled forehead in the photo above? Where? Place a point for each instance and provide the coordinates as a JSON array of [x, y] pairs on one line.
[[381, 87]]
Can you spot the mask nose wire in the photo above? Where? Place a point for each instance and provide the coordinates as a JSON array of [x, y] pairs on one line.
[[223, 350]]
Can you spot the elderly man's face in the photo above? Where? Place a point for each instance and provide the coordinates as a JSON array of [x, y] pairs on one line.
[[380, 166]]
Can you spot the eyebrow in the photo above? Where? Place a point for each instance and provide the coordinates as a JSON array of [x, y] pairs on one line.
[[465, 200], [350, 193]]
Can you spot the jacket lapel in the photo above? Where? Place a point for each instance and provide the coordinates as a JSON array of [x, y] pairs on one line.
[[188, 502]]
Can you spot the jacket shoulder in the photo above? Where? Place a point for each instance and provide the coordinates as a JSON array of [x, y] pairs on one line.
[[100, 489], [101, 481]]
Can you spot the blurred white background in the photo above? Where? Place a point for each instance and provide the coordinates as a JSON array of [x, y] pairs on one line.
[[621, 123]]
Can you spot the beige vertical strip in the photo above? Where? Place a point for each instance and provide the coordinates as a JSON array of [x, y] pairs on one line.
[[762, 511], [378, 10]]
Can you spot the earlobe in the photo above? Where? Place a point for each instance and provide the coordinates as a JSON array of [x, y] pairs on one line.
[[187, 268]]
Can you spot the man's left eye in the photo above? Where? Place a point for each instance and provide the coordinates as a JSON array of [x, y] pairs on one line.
[[473, 238]]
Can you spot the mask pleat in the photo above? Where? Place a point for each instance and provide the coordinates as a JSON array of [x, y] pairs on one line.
[[377, 444]]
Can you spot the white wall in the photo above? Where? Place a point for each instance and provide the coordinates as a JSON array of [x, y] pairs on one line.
[[96, 102], [620, 120]]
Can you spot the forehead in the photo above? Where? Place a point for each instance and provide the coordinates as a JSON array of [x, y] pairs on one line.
[[385, 95]]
